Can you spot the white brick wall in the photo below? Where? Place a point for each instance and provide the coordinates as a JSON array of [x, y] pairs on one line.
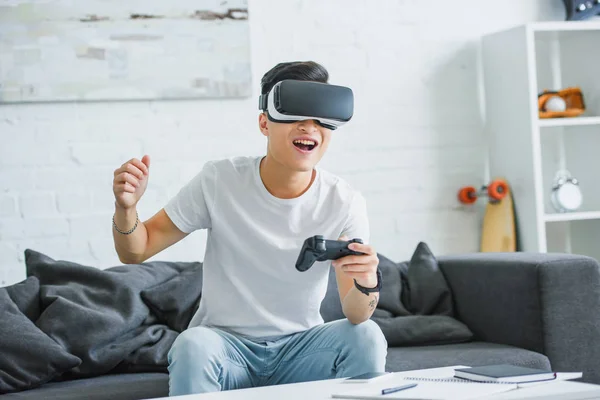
[[416, 136]]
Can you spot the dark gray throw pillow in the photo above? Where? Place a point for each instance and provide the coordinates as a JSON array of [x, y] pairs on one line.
[[429, 292], [331, 307], [422, 330], [175, 301], [415, 306], [26, 296], [98, 314], [28, 357]]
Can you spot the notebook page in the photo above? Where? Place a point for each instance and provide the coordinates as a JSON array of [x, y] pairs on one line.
[[430, 391], [450, 378]]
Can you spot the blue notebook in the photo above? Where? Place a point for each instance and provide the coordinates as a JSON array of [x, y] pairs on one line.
[[504, 373]]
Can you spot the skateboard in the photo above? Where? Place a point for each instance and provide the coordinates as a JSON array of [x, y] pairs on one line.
[[499, 232]]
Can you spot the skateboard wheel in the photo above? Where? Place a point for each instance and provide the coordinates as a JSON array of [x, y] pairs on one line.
[[497, 190], [467, 195]]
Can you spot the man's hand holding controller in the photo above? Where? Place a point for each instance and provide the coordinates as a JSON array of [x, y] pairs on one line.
[[129, 184]]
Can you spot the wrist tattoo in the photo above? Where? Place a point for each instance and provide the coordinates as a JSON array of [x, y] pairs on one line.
[[373, 302]]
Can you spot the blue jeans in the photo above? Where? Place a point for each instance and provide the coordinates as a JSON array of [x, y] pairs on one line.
[[205, 360]]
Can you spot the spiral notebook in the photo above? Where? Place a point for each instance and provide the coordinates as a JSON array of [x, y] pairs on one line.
[[440, 387], [429, 389], [454, 380], [559, 376]]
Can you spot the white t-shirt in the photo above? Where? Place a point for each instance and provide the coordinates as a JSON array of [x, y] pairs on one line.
[[250, 283]]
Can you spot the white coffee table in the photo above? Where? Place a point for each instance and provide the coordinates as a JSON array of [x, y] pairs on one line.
[[321, 390]]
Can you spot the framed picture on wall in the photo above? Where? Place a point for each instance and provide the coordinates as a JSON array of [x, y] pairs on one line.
[[93, 50]]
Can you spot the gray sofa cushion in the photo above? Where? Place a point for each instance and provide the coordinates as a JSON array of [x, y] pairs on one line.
[[470, 354], [497, 298], [149, 385], [418, 330], [28, 357], [113, 387]]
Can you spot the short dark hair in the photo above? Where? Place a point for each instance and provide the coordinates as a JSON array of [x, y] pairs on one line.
[[298, 70]]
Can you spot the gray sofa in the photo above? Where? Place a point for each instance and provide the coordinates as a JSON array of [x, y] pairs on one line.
[[538, 310]]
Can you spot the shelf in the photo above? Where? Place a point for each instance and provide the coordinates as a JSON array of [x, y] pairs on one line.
[[565, 26], [575, 121], [572, 216]]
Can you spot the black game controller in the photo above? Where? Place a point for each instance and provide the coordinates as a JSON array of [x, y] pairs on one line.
[[316, 248]]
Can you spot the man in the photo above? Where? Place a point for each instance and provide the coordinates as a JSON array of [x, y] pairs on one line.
[[258, 321]]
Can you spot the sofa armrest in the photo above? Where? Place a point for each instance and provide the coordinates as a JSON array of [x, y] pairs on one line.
[[548, 303]]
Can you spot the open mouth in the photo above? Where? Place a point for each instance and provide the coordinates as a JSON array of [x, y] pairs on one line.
[[305, 144]]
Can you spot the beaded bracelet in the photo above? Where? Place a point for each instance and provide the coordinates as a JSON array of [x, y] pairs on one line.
[[137, 219]]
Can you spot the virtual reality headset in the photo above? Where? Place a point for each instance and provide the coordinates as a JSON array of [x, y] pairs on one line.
[[291, 101]]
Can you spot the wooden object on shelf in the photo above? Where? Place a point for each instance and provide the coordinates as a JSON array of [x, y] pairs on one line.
[[573, 97]]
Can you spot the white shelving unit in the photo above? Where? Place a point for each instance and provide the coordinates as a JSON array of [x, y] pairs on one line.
[[518, 64]]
